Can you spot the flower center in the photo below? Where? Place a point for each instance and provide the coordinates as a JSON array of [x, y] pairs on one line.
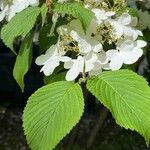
[[104, 32], [67, 43]]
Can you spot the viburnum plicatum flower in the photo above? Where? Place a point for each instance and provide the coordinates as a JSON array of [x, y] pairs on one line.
[[9, 8], [82, 64], [127, 52], [85, 44], [88, 53], [51, 60], [124, 26], [101, 15], [100, 64]]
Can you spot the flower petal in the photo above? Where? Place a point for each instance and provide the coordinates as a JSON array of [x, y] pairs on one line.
[[125, 46], [52, 51], [65, 58], [118, 29], [50, 66], [73, 73], [125, 19], [116, 63], [41, 59], [97, 47], [84, 46], [111, 53], [132, 56], [141, 43], [2, 15]]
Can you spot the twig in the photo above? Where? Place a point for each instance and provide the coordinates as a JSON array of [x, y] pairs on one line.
[[49, 2]]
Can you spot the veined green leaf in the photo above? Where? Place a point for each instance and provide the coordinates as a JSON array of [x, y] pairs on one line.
[[76, 10], [21, 24], [51, 113], [55, 77], [45, 39], [127, 96]]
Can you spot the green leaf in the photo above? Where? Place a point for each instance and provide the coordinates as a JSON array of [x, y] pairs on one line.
[[127, 96], [147, 35], [76, 10], [51, 113], [55, 77], [23, 61], [21, 24], [44, 10], [58, 75], [133, 12], [45, 39]]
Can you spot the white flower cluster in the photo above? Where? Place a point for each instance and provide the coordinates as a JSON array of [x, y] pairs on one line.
[[89, 53], [8, 8]]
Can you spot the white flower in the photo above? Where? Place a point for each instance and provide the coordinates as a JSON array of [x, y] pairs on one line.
[[82, 64], [102, 15], [127, 52], [51, 60], [10, 7], [84, 41], [4, 6], [86, 45], [100, 64], [89, 56], [123, 27], [19, 5]]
